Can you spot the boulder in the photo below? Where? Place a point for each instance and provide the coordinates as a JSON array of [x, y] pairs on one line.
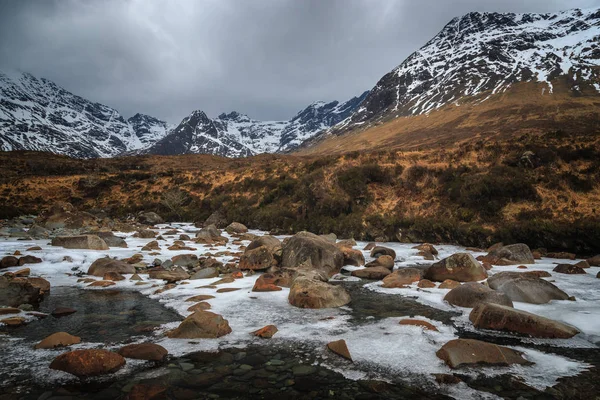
[[594, 261], [472, 293], [86, 363], [217, 219], [266, 283], [375, 273], [110, 239], [311, 293], [420, 323], [340, 348], [518, 253], [402, 277], [382, 261], [257, 259], [502, 318], [201, 306], [113, 276], [469, 353], [382, 251], [449, 284], [583, 264], [562, 254], [90, 242], [150, 218], [349, 243], [144, 351], [102, 284], [145, 234], [352, 256], [104, 265], [525, 288], [271, 242], [330, 237], [205, 273], [9, 262], [184, 260], [428, 248], [236, 227], [38, 232], [58, 339], [29, 260], [460, 267], [175, 275], [569, 269], [17, 291], [210, 234], [201, 324], [307, 251], [425, 284], [64, 216], [267, 332]]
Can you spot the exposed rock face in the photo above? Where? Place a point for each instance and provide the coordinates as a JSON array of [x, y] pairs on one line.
[[105, 265], [468, 352], [150, 218], [17, 291], [525, 288], [311, 293], [58, 339], [256, 259], [569, 269], [144, 351], [378, 251], [502, 318], [402, 277], [307, 251], [461, 267], [472, 293], [518, 253], [90, 242], [201, 324], [86, 363], [340, 348], [375, 273], [236, 228]]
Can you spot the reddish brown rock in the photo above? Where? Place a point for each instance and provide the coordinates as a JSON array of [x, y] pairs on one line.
[[417, 322], [14, 321], [227, 290], [375, 273], [201, 324], [144, 351], [85, 363], [563, 255], [201, 306], [102, 284], [113, 276], [266, 332], [175, 275], [569, 269], [58, 339], [103, 265], [9, 262], [9, 310], [448, 284], [403, 277], [382, 261], [257, 259], [200, 297], [352, 256], [29, 260], [146, 391], [426, 247], [63, 311], [469, 352], [265, 283], [425, 284], [22, 273], [378, 251], [340, 348], [311, 293], [472, 293], [153, 245]]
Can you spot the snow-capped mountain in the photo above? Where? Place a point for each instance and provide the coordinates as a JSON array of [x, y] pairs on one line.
[[482, 54], [237, 135], [37, 114]]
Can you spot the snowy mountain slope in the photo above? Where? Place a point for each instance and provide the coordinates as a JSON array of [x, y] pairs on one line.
[[482, 54], [237, 135], [148, 129], [36, 114]]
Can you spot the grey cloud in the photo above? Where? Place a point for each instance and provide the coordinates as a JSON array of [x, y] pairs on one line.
[[266, 58]]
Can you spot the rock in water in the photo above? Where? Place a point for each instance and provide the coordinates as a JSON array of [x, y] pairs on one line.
[[379, 251], [257, 259], [144, 351], [201, 324], [417, 322], [85, 363], [236, 227], [376, 273], [309, 252], [402, 277], [89, 242], [460, 267], [472, 293], [311, 293], [502, 318], [105, 265], [518, 253], [267, 332], [58, 339], [9, 262], [17, 291], [469, 352], [569, 269], [150, 218], [525, 288], [340, 348]]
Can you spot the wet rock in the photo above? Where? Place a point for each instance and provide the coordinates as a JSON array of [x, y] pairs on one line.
[[150, 218], [525, 288], [382, 261], [518, 253], [352, 256], [594, 261], [104, 265], [86, 363], [271, 242], [202, 306], [201, 324], [175, 275], [582, 264], [340, 348], [205, 273], [461, 267], [41, 284], [184, 260], [266, 283], [113, 276], [145, 234], [58, 339], [236, 227], [29, 260], [14, 321], [309, 252], [569, 269], [472, 293], [403, 277], [22, 273], [257, 259], [38, 232], [144, 351], [378, 251], [102, 284], [266, 332], [9, 310], [148, 391], [9, 262], [417, 322], [502, 318], [311, 293], [303, 370], [449, 284], [425, 284], [153, 245], [470, 353], [375, 273], [428, 248], [17, 291], [370, 246], [184, 237], [62, 311], [89, 242], [227, 290]]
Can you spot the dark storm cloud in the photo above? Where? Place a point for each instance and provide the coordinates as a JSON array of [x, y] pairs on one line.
[[266, 58]]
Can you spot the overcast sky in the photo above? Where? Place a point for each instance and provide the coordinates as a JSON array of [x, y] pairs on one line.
[[265, 58]]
